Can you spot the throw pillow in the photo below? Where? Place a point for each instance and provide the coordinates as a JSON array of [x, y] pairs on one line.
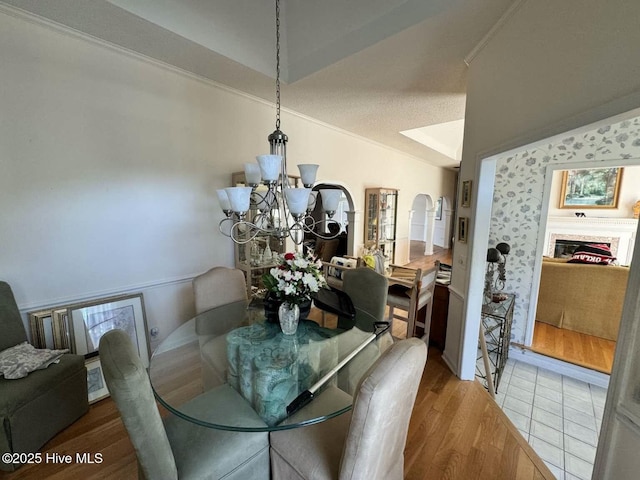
[[595, 254], [19, 360]]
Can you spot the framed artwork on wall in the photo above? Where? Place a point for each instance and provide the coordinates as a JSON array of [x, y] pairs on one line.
[[590, 188], [463, 226], [466, 194], [439, 209], [89, 321]]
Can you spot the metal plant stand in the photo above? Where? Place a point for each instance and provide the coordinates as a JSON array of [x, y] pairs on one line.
[[496, 323]]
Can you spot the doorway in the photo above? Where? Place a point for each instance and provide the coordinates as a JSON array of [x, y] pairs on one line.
[[513, 203], [512, 199]]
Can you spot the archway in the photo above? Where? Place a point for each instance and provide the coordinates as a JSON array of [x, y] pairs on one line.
[[429, 224]]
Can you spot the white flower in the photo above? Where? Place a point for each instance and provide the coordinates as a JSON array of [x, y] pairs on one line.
[[310, 281], [297, 277]]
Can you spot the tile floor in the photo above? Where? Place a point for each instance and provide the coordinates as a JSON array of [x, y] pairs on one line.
[[558, 415]]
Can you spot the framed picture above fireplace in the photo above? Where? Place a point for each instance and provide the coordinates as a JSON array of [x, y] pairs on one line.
[[590, 188]]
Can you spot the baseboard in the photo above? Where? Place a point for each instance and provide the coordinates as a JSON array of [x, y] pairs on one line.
[[564, 368]]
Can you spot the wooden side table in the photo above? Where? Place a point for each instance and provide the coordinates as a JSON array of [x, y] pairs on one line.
[[438, 332]]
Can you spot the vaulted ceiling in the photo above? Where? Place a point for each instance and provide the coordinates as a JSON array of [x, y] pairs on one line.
[[371, 67]]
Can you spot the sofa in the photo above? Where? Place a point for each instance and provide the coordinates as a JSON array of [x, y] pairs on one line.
[[36, 407], [585, 298]]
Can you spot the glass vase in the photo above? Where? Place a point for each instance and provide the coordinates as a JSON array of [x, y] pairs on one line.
[[289, 316]]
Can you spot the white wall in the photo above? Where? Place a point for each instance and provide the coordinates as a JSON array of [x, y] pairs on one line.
[[109, 165], [419, 219], [553, 66]]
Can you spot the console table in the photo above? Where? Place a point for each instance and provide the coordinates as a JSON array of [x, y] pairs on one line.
[[496, 321]]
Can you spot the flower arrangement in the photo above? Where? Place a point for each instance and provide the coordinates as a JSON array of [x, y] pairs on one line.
[[295, 278]]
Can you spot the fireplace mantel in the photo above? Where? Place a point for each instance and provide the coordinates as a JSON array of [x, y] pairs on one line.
[[619, 232]]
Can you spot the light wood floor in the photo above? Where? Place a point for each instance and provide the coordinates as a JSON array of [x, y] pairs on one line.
[[419, 260], [456, 432], [574, 347]]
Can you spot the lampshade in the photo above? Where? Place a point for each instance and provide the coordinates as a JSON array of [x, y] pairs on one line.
[[252, 174], [330, 199], [239, 197], [308, 173], [223, 198], [297, 200], [269, 167]]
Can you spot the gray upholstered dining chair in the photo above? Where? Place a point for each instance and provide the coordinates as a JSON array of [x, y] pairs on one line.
[[368, 292], [366, 443], [177, 448], [220, 296], [218, 286]]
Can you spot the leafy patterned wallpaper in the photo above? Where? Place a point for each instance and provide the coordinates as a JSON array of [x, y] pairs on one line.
[[518, 195]]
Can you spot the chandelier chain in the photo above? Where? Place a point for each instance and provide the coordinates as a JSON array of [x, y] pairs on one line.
[[277, 64]]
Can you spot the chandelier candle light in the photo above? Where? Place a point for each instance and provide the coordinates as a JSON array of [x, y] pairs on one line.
[[284, 211]]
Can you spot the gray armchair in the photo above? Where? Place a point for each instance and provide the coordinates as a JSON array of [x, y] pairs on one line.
[[177, 448], [35, 408], [366, 443]]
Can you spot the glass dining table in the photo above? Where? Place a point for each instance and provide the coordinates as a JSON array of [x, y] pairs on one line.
[[230, 369]]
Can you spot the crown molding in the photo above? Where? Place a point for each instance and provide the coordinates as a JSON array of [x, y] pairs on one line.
[[511, 11]]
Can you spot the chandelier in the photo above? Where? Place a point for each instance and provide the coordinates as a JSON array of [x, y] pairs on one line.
[[268, 204]]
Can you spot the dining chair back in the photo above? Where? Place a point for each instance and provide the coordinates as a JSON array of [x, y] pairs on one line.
[[129, 386], [411, 290], [174, 448], [220, 296], [368, 292], [218, 286], [367, 442]]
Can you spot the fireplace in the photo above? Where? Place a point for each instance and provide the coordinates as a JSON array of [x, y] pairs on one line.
[[618, 233], [565, 248]]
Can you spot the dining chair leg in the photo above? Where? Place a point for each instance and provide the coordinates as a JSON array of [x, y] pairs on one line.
[[411, 323]]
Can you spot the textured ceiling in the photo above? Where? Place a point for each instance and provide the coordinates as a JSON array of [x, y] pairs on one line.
[[371, 67]]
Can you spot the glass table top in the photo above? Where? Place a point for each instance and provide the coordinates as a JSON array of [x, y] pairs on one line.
[[230, 369]]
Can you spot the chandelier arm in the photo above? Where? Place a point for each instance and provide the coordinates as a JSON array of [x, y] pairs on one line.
[[296, 239], [309, 227], [254, 231]]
